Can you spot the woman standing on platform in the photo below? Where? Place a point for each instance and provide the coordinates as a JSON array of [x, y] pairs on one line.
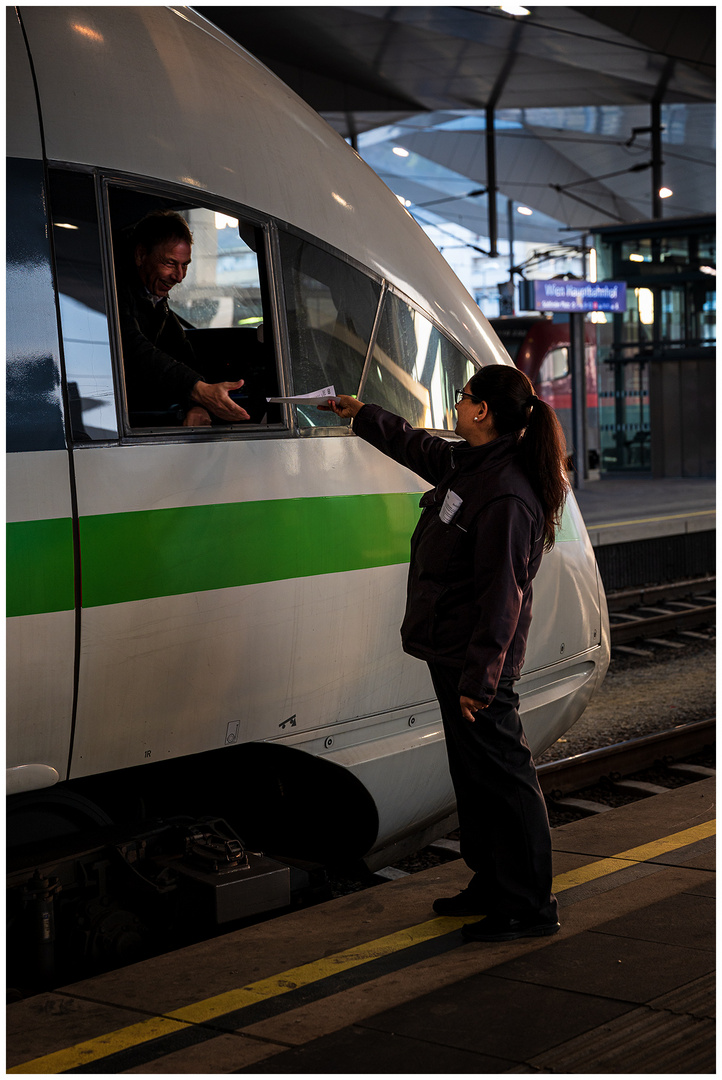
[[494, 508]]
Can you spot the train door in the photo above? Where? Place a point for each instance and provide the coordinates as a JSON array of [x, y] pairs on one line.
[[151, 491], [40, 535]]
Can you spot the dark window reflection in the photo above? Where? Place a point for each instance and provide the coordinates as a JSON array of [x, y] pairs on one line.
[[331, 307], [82, 306]]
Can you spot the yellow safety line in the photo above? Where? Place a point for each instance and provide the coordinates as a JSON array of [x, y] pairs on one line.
[[634, 856], [591, 527], [233, 1000]]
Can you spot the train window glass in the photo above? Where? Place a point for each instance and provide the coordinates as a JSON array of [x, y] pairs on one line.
[[414, 369], [83, 315], [221, 302], [215, 326], [331, 308], [555, 365]]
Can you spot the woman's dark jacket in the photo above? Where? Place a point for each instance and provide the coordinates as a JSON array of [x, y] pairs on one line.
[[470, 580]]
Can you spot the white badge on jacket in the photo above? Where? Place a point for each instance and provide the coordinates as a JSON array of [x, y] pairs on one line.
[[450, 508]]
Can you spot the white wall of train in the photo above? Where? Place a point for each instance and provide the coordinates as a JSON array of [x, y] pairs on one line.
[[302, 660]]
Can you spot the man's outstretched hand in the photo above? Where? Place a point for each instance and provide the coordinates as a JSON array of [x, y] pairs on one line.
[[215, 397]]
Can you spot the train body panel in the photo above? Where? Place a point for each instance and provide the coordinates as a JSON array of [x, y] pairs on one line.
[[183, 83], [178, 595]]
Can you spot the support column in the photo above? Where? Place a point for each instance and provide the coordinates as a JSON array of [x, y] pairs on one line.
[[578, 370], [491, 181], [656, 109]]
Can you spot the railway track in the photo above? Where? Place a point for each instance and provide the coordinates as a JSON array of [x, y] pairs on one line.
[[685, 608], [596, 781]]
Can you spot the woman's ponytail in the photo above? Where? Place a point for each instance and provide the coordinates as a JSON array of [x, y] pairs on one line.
[[542, 447], [543, 453]]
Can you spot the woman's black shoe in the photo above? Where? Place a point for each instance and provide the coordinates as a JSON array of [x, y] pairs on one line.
[[501, 928], [467, 902]]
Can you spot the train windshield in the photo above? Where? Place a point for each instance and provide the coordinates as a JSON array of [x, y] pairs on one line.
[[414, 369]]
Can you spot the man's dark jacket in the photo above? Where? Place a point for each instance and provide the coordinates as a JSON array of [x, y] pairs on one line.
[[157, 355], [470, 580]]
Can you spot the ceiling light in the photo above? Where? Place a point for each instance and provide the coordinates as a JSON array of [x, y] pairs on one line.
[[514, 9], [636, 258], [665, 192], [400, 152], [65, 225], [524, 210]]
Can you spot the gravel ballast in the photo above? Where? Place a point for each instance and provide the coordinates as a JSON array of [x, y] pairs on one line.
[[643, 696]]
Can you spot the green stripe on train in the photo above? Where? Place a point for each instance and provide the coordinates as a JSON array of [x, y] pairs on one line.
[[151, 553], [40, 572], [197, 548]]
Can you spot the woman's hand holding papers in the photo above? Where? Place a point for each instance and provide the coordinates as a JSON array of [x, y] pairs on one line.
[[343, 405]]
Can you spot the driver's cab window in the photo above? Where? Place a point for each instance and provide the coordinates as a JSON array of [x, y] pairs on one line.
[[193, 315], [555, 365]]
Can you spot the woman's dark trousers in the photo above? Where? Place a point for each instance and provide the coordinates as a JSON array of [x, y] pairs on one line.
[[503, 821]]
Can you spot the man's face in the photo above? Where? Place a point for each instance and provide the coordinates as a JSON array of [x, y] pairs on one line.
[[164, 266]]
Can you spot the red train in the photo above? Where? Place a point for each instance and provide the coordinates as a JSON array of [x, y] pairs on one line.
[[540, 347]]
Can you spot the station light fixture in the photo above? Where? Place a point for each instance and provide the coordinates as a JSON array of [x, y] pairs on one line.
[[514, 9], [665, 192], [400, 152], [524, 210], [636, 258], [645, 305]]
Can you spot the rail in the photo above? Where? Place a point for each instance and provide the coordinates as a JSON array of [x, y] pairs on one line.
[[651, 611], [583, 770]]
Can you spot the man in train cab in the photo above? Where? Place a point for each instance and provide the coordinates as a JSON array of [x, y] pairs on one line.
[[160, 366]]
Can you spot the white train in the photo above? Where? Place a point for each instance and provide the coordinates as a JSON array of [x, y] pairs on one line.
[[207, 620]]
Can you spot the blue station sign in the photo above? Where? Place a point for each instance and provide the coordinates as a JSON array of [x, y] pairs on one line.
[[558, 295]]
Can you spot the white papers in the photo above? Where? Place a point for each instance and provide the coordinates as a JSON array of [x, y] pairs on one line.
[[304, 399], [451, 507]]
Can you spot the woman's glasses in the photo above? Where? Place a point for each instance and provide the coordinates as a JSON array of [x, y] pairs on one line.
[[461, 394]]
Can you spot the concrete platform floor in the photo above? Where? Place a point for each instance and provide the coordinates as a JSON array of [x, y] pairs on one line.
[[372, 982], [618, 508]]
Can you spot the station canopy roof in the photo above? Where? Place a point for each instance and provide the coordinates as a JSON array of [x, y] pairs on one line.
[[571, 90]]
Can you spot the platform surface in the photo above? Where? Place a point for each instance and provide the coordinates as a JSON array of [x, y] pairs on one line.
[[617, 509], [374, 983]]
